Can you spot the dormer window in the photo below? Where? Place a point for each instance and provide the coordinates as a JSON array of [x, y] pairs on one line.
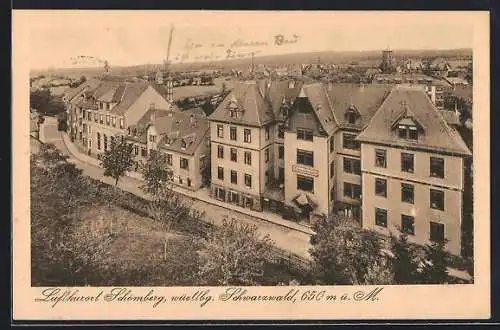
[[183, 144], [352, 115], [409, 132]]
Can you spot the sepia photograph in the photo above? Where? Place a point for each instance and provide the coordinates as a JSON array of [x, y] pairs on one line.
[[239, 150]]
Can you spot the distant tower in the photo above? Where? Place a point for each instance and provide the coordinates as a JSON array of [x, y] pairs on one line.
[[106, 67], [387, 61]]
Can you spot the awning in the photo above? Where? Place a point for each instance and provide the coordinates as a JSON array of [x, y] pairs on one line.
[[302, 200]]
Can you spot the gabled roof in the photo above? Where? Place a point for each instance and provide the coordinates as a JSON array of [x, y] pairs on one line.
[[318, 97], [131, 92], [186, 128], [256, 110], [89, 84], [437, 135], [365, 98]]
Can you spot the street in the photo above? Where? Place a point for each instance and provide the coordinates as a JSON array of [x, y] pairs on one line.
[[287, 239]]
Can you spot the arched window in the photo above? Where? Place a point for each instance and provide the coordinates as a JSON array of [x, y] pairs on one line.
[[98, 141]]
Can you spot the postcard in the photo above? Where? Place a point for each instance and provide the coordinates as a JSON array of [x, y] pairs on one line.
[[264, 165]]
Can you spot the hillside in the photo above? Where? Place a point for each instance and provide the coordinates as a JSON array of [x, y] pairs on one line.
[[365, 58]]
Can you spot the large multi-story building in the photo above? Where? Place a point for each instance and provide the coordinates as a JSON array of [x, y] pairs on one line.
[[182, 137], [247, 144], [100, 110], [318, 149], [413, 170]]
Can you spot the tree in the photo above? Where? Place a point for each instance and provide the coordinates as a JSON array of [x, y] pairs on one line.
[[405, 260], [434, 267], [118, 159], [58, 195], [343, 253], [156, 173], [234, 254]]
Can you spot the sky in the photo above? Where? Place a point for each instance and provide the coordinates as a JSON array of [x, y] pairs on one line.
[[57, 38]]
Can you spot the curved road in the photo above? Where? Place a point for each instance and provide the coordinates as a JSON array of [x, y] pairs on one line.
[[285, 238]]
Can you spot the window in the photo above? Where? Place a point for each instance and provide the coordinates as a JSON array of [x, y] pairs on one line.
[[248, 158], [144, 152], [107, 119], [234, 155], [152, 138], [281, 132], [351, 117], [101, 119], [380, 187], [407, 224], [180, 179], [407, 194], [136, 150], [281, 175], [220, 152], [189, 182], [169, 159], [281, 152], [437, 167], [305, 157], [184, 163], [89, 115], [332, 143], [349, 142], [380, 158], [122, 123], [105, 138], [220, 173], [220, 131], [101, 105], [84, 113], [381, 217], [305, 183], [332, 169], [304, 134], [247, 135], [113, 121], [112, 140], [352, 165], [408, 132], [407, 162], [266, 155], [234, 177], [98, 141], [220, 193], [95, 117], [437, 199], [352, 190], [267, 134], [248, 180], [233, 197], [436, 232], [232, 133]]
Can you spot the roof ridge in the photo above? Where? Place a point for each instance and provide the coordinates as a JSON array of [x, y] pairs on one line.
[[257, 106], [331, 107], [451, 133], [370, 122]]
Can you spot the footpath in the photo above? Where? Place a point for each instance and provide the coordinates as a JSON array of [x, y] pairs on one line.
[[200, 194]]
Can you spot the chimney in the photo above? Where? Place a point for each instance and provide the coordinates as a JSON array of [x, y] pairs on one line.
[[152, 117]]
